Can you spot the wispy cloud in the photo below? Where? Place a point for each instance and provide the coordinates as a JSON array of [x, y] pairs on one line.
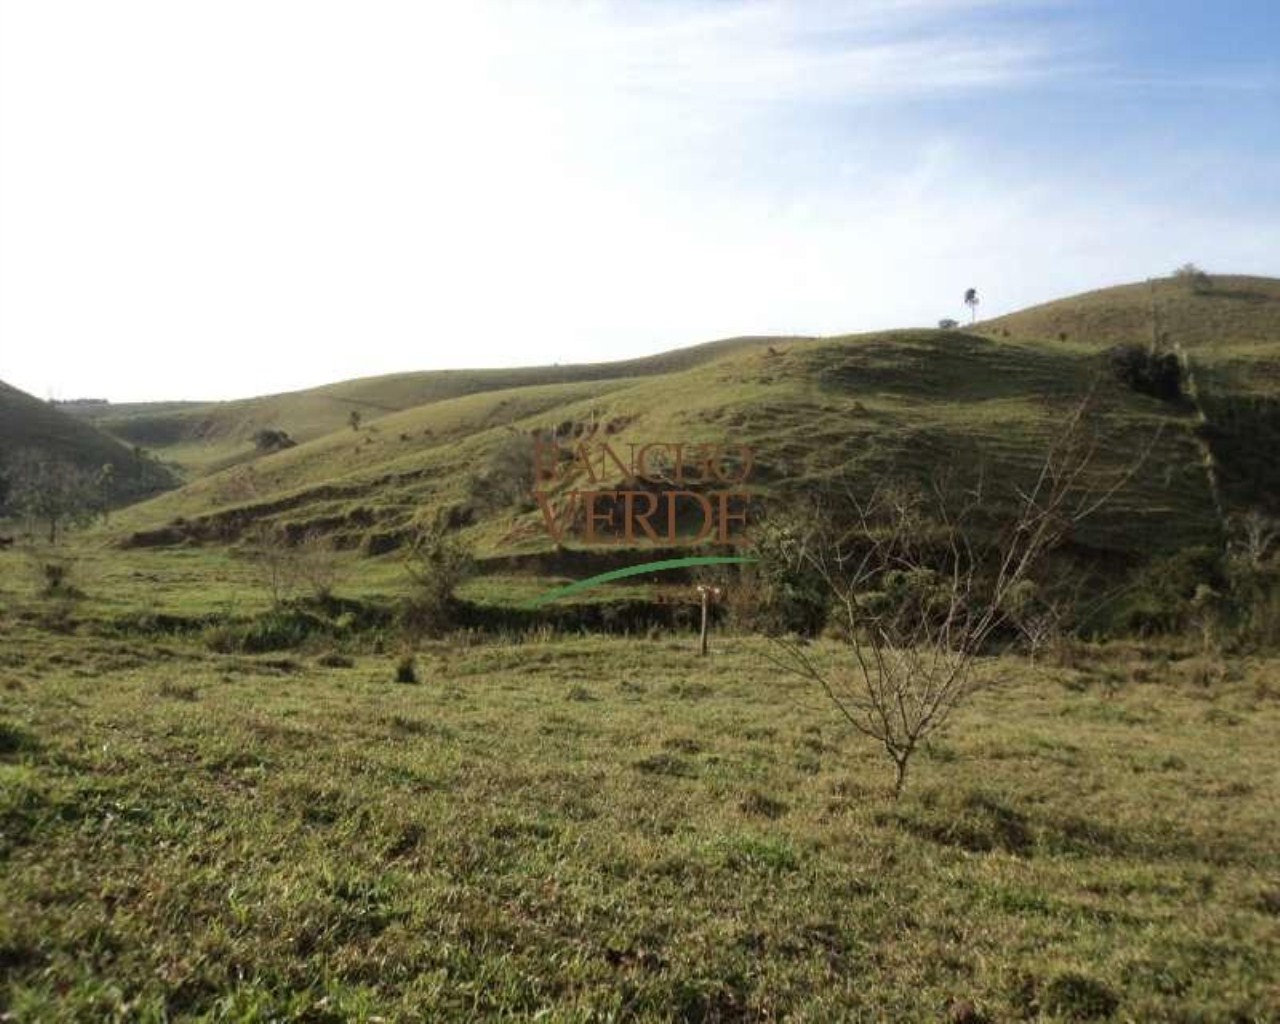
[[778, 52], [1234, 80]]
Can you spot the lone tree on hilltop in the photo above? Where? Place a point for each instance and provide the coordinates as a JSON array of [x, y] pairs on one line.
[[971, 300], [1193, 276]]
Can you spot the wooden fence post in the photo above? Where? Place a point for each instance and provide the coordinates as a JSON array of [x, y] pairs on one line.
[[708, 595]]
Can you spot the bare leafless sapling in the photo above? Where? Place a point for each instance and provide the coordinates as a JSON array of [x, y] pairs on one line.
[[920, 578], [317, 564], [272, 558]]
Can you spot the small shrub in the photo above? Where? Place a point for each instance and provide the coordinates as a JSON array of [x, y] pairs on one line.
[[1162, 596], [221, 638], [508, 478], [57, 580], [55, 576], [272, 559], [281, 629], [1194, 278], [407, 669], [268, 441], [437, 563], [782, 593], [51, 575], [316, 564], [278, 629]]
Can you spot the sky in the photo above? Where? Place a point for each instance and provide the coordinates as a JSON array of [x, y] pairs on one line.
[[217, 200]]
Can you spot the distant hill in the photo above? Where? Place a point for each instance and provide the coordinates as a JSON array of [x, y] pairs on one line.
[[205, 437], [26, 423]]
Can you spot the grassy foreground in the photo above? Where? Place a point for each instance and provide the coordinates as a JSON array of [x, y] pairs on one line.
[[596, 829]]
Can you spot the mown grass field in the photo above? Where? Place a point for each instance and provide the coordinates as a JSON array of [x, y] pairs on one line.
[[594, 829]]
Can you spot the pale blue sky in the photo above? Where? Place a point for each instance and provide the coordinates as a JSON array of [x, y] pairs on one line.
[[216, 200]]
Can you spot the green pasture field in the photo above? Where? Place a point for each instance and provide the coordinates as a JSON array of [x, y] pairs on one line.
[[579, 829]]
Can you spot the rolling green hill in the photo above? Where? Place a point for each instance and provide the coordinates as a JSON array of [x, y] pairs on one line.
[[820, 415], [815, 414], [205, 437], [28, 424], [1226, 332], [1230, 316]]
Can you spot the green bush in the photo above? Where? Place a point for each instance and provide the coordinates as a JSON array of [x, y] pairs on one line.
[[437, 563], [282, 629], [278, 629], [781, 592], [1162, 596], [1156, 374]]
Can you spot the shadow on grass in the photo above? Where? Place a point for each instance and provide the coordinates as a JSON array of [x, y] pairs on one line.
[[981, 822]]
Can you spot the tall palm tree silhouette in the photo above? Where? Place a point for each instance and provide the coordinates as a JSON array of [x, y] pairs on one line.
[[971, 300]]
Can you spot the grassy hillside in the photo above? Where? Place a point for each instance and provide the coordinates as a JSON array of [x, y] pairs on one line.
[[819, 414], [815, 413], [205, 437], [26, 423], [1232, 312], [1227, 334]]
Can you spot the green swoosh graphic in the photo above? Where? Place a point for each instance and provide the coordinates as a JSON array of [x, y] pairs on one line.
[[635, 570]]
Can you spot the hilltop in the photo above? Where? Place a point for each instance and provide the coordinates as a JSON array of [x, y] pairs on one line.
[[1225, 316], [1226, 332]]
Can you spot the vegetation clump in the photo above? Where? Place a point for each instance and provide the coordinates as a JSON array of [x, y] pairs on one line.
[[267, 441], [1158, 374], [437, 563], [1195, 278], [407, 669], [53, 493], [284, 562]]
